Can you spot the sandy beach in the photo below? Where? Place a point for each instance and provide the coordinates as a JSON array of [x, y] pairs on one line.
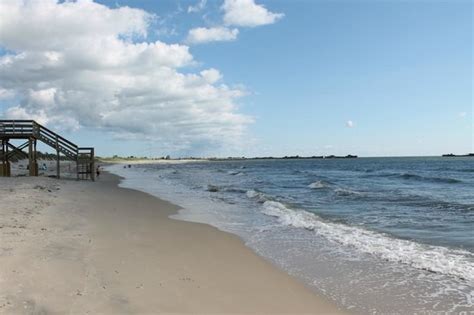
[[82, 247]]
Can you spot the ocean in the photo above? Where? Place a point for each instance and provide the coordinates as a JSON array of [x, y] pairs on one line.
[[374, 235]]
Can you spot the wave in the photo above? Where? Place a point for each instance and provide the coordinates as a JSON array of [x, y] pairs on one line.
[[318, 184], [437, 259], [257, 195], [347, 192], [364, 170], [412, 200], [235, 190], [450, 169], [235, 173], [431, 179], [230, 189], [415, 177], [442, 205]]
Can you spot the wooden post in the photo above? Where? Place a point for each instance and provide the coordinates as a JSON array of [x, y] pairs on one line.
[[2, 168], [5, 166], [33, 165], [92, 165], [34, 157], [7, 162], [30, 156], [58, 164]]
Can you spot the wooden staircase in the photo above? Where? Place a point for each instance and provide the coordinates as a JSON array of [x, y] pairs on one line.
[[32, 132]]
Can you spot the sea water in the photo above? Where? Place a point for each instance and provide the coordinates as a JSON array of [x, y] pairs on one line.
[[374, 235]]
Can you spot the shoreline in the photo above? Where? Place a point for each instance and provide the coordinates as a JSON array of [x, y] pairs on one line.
[[80, 246]]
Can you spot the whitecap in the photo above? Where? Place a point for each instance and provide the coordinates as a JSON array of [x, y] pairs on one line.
[[317, 185]]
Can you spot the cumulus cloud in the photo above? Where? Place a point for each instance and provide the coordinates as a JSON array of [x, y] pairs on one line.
[[211, 75], [247, 13], [202, 35], [83, 64], [198, 7], [349, 124]]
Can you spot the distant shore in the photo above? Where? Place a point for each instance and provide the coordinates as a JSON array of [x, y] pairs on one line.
[[80, 246], [138, 160], [458, 155]]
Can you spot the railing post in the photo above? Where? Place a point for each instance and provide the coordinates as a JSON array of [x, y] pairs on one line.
[[92, 165], [8, 166], [77, 163], [2, 168], [35, 129], [5, 169], [30, 156], [58, 163], [33, 164]]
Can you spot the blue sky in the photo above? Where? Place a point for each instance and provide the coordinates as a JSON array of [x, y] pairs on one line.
[[373, 78]]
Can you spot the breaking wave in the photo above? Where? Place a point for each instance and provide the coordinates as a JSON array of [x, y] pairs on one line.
[[435, 259], [257, 195]]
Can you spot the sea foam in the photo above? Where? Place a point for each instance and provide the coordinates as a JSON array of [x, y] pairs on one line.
[[436, 259]]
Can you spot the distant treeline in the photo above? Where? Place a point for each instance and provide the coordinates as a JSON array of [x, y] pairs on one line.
[[131, 158], [292, 157], [458, 155], [136, 158]]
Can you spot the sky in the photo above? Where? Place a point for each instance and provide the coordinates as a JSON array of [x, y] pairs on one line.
[[243, 77]]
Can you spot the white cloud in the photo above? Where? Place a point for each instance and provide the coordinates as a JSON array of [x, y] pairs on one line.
[[40, 23], [198, 7], [247, 13], [462, 114], [82, 64], [202, 35], [211, 75], [349, 124]]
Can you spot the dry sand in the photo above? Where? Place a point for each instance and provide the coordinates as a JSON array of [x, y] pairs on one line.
[[82, 247], [67, 168]]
